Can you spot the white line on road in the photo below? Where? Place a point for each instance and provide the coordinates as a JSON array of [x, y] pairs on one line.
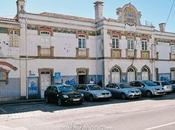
[[160, 126]]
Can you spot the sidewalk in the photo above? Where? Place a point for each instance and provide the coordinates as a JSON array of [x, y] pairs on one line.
[[21, 101]]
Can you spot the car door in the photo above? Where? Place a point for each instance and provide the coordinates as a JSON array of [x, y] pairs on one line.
[[137, 85], [83, 89], [47, 92], [55, 94], [114, 89], [141, 86]]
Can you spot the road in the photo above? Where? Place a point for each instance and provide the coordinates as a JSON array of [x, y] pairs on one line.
[[148, 114]]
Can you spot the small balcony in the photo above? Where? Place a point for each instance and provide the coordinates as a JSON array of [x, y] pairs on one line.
[[116, 53], [145, 54], [131, 53], [45, 52], [82, 52]]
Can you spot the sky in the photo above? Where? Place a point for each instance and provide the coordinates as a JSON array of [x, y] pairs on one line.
[[153, 11]]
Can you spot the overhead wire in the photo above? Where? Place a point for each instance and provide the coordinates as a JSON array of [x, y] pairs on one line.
[[171, 9]]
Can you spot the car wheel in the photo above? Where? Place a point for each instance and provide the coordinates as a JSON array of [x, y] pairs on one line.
[[149, 94], [59, 102], [91, 98], [123, 96]]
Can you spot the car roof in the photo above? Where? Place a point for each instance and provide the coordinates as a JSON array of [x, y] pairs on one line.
[[58, 85]]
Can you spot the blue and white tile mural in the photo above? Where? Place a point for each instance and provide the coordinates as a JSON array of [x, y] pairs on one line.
[[33, 89], [164, 77]]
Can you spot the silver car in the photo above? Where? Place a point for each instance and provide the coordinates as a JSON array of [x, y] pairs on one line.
[[92, 92], [148, 88], [166, 85], [123, 91]]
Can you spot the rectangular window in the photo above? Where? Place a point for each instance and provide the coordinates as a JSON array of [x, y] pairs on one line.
[[45, 33], [81, 42], [115, 43], [144, 45], [131, 44], [13, 38]]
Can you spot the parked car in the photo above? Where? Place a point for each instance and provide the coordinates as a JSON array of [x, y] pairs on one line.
[[62, 94], [148, 88], [123, 91], [166, 85], [92, 92], [172, 82]]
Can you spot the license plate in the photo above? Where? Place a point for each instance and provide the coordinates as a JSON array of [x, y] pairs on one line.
[[76, 100]]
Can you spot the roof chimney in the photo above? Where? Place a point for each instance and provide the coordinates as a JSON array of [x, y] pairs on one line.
[[162, 27], [98, 9]]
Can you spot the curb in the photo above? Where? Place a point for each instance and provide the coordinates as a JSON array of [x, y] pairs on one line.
[[21, 101]]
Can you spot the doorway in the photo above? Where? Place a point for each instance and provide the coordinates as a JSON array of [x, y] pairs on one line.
[[45, 80], [82, 75], [82, 79]]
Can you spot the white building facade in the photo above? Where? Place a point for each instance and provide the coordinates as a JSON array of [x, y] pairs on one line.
[[37, 50]]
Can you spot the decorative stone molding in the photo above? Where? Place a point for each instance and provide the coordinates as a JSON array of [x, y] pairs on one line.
[[164, 40], [45, 28], [128, 35], [82, 71], [82, 33], [66, 30], [131, 54], [128, 14], [45, 52], [114, 34], [145, 54], [82, 52], [116, 53]]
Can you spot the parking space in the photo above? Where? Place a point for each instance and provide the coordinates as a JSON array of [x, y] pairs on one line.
[[44, 107]]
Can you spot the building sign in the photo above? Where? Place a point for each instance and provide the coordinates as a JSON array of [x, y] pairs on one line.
[[57, 77]]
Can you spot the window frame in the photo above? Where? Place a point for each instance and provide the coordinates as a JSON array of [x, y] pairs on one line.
[[131, 44], [115, 43], [144, 45], [82, 42]]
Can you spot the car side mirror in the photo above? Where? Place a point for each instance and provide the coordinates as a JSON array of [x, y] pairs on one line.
[[142, 86]]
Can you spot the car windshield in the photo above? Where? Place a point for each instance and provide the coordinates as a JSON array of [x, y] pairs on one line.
[[165, 83], [94, 87], [124, 86], [149, 83], [66, 88]]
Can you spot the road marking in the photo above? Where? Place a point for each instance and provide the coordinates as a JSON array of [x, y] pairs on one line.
[[160, 126], [4, 111]]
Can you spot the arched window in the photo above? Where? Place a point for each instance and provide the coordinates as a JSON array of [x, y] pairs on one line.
[[131, 74], [145, 73], [115, 75]]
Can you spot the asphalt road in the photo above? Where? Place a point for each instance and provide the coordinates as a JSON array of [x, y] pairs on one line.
[[149, 114]]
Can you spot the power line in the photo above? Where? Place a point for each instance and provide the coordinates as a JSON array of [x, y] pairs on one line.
[[170, 11]]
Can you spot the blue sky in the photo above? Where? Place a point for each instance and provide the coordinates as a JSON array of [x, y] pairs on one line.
[[154, 11]]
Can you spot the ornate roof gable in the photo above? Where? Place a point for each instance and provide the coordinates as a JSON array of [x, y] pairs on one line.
[[128, 14]]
